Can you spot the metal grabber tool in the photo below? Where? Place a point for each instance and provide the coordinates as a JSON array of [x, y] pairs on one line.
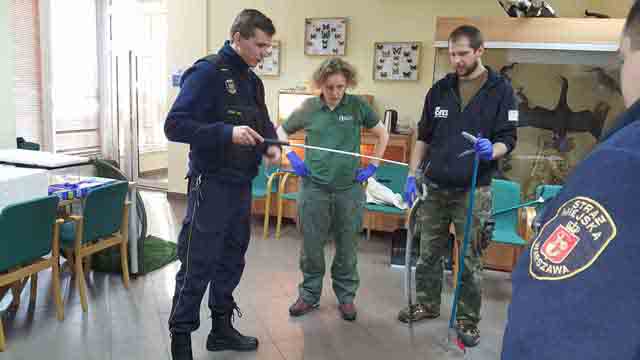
[[286, 143], [411, 233], [453, 340]]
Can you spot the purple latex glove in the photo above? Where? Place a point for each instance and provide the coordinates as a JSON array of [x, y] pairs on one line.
[[410, 192], [298, 165], [484, 148], [365, 173]]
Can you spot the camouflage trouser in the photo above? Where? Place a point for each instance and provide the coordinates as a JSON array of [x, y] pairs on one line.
[[324, 213], [439, 210]]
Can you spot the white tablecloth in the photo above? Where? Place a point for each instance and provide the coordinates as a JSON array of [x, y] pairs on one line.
[[39, 158], [20, 184]]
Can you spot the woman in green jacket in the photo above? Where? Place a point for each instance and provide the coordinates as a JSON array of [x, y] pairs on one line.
[[331, 197]]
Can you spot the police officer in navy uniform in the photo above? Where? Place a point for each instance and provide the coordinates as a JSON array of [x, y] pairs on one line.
[[576, 293], [221, 113]]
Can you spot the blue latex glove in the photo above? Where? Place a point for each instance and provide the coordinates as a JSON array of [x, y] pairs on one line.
[[365, 173], [484, 149], [410, 193], [298, 165]]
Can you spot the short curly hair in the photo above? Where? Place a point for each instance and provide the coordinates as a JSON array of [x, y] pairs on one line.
[[334, 66]]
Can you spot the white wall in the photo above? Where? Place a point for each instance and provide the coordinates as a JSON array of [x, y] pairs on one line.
[[187, 25], [615, 8], [369, 21], [7, 104]]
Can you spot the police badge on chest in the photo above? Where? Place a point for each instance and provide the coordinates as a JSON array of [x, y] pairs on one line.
[[231, 86]]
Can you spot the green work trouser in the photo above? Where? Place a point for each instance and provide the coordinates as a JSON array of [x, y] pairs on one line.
[[322, 213], [440, 208]]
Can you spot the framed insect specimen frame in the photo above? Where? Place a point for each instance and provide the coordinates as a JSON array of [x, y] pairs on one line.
[[396, 60], [325, 36]]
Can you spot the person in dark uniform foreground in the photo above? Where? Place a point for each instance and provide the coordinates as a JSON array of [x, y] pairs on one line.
[[576, 293], [221, 113]]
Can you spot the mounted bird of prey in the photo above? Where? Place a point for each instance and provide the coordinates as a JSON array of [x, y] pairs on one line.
[[527, 8], [562, 120]]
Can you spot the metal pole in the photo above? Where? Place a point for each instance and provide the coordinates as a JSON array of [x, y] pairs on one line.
[[452, 335], [286, 143]]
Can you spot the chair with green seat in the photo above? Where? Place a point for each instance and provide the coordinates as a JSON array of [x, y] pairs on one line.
[[30, 232], [506, 199], [506, 195], [547, 192], [394, 177], [263, 181], [104, 223]]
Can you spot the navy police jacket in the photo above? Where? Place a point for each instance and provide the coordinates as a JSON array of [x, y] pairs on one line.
[[492, 113], [576, 290], [218, 93]]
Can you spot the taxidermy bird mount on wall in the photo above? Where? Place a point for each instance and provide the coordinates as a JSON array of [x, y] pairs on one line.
[[527, 8], [562, 120]]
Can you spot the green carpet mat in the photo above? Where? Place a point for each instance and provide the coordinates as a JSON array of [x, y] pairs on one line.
[[157, 253]]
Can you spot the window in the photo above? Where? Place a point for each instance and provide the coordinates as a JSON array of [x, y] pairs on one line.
[[25, 32], [73, 59]]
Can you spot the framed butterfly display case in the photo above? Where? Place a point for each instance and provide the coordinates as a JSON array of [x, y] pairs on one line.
[[270, 65], [325, 36], [396, 61]]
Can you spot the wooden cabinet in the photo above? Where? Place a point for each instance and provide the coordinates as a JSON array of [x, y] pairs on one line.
[[501, 257]]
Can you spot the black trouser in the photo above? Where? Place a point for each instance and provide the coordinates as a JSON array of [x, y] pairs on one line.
[[211, 246]]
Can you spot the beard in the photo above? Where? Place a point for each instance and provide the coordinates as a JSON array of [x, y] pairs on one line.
[[470, 69]]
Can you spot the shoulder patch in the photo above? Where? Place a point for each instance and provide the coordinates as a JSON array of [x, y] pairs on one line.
[[572, 240]]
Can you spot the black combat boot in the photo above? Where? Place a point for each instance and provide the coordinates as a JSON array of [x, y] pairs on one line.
[[181, 346], [224, 337]]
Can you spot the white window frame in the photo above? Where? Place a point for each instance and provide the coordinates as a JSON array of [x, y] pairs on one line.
[[49, 126]]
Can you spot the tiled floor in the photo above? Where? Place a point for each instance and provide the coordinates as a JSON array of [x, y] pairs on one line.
[[156, 179], [132, 324]]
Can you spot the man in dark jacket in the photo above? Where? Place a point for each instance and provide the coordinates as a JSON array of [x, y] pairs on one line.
[[221, 113], [576, 293], [479, 101]]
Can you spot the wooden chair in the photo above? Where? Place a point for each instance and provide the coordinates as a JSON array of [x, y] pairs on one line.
[[104, 223], [263, 187], [282, 196], [30, 232]]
